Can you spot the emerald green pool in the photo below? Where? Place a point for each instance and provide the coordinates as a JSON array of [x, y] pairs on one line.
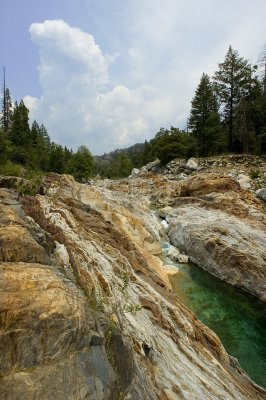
[[237, 318]]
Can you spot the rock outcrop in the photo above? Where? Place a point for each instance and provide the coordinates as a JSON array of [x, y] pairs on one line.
[[221, 227], [86, 306]]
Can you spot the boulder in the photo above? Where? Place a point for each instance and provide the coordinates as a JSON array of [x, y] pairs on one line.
[[182, 258], [134, 172], [261, 194], [153, 164], [173, 253], [164, 224], [182, 176], [244, 181], [192, 164]]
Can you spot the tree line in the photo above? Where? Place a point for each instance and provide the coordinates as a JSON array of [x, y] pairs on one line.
[[228, 115], [30, 147]]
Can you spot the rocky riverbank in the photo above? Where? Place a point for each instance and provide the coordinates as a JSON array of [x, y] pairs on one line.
[[86, 305], [213, 210]]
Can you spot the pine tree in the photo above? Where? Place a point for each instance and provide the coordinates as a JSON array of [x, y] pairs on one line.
[[20, 134], [232, 82], [6, 107], [204, 120]]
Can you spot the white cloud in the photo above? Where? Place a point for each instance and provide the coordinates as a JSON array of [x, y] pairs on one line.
[[76, 105]]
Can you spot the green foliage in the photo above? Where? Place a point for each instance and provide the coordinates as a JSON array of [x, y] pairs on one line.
[[82, 164], [31, 147], [204, 120], [126, 279], [233, 81], [254, 173], [120, 166], [11, 169], [132, 308], [20, 134], [170, 144], [5, 147], [6, 117]]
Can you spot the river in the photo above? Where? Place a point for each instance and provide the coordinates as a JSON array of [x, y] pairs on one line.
[[237, 318]]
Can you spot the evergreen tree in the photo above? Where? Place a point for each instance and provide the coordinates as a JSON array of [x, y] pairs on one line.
[[82, 164], [6, 107], [5, 147], [20, 133], [204, 119], [249, 117], [6, 110], [57, 159], [232, 83], [39, 147], [170, 144]]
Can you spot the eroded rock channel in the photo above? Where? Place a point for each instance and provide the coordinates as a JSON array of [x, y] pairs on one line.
[[87, 309]]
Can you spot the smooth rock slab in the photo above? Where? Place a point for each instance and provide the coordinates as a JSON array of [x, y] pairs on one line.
[[230, 248]]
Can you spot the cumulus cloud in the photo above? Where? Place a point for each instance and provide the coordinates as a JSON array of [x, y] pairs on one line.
[[76, 105]]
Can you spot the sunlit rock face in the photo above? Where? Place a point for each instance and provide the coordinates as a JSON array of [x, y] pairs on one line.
[[222, 228], [86, 306], [230, 248]]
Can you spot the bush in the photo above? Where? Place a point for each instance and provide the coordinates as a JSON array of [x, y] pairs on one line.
[[254, 173], [11, 169]]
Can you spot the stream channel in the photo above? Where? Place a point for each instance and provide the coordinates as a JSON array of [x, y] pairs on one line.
[[237, 318]]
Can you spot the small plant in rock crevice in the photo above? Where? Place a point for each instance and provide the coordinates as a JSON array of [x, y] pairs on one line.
[[254, 173]]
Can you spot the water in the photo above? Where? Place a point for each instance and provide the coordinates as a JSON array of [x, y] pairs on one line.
[[237, 318]]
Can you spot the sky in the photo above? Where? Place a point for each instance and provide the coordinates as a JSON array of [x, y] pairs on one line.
[[110, 73]]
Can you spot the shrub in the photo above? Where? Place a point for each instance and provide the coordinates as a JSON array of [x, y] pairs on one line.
[[11, 169], [254, 173]]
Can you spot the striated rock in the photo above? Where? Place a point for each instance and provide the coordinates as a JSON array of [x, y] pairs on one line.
[[204, 184], [230, 248], [100, 322], [18, 245]]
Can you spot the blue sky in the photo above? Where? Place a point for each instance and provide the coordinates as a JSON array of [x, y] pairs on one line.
[[109, 74]]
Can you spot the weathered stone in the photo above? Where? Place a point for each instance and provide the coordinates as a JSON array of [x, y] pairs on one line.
[[182, 258], [203, 184], [244, 181], [261, 194], [134, 172], [173, 253], [229, 248], [152, 164], [192, 164]]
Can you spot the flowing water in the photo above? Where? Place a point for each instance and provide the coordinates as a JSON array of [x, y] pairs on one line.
[[237, 318]]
